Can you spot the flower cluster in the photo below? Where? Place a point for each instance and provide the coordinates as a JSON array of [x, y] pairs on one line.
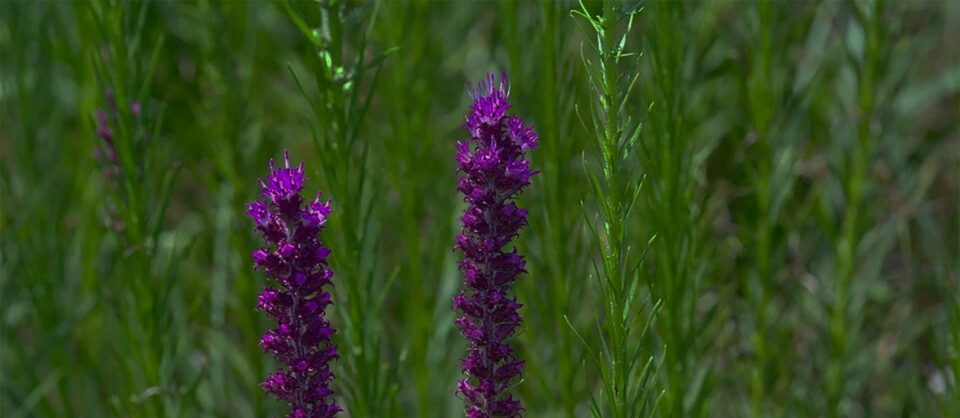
[[493, 171], [296, 262]]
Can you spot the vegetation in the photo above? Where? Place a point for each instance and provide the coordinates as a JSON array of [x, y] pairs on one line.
[[743, 208]]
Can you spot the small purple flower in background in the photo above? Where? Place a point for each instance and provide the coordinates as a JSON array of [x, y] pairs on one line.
[[296, 261], [493, 171], [106, 153]]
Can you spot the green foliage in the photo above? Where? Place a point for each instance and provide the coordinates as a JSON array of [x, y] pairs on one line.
[[624, 358], [794, 250], [344, 89]]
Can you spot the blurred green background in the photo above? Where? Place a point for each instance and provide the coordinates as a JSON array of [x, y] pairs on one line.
[[802, 163]]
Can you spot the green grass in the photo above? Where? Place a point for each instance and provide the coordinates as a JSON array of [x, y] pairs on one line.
[[744, 208]]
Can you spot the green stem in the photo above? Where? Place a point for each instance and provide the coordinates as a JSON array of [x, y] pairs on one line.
[[850, 233], [761, 110], [614, 221]]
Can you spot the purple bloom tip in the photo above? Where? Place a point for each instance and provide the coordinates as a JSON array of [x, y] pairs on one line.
[[285, 183]]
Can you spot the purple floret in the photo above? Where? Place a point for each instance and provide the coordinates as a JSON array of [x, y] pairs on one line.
[[295, 261], [493, 170]]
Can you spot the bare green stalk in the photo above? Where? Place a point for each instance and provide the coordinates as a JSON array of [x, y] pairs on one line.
[[624, 359], [855, 184], [762, 107], [675, 209]]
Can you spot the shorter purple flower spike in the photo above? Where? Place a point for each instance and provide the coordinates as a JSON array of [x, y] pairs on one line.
[[106, 153], [494, 170], [108, 156], [296, 262]]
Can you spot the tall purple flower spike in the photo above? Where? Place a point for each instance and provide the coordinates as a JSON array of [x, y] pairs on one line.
[[493, 170], [296, 262]]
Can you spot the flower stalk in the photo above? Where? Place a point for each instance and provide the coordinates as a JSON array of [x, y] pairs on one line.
[[295, 260], [494, 170]]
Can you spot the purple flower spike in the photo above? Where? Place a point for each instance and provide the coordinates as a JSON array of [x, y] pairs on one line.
[[296, 262], [107, 157], [106, 153], [493, 170]]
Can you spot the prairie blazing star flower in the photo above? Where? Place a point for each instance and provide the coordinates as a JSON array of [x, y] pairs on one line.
[[493, 170], [296, 262]]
